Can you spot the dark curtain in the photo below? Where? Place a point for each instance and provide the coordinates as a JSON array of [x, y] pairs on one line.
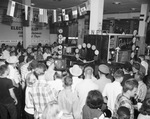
[[101, 43]]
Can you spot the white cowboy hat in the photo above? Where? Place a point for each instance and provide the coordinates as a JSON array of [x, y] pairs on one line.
[[75, 70]]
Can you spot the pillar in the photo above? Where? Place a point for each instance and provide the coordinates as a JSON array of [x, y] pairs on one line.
[[96, 16], [143, 16], [112, 26], [27, 30], [143, 27]]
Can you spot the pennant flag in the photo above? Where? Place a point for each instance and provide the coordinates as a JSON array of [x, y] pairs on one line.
[[147, 19], [59, 15], [54, 16], [11, 8], [63, 12], [31, 14], [26, 12], [82, 9], [41, 11], [43, 17], [74, 12], [67, 14]]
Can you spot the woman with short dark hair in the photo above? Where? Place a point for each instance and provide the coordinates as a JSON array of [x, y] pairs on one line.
[[92, 108]]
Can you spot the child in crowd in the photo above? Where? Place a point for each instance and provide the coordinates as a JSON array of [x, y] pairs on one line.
[[29, 108], [68, 100]]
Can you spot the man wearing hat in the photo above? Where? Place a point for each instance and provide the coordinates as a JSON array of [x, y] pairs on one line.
[[85, 86], [103, 70], [75, 71]]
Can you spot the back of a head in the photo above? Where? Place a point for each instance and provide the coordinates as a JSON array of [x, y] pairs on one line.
[[68, 81], [130, 84], [94, 99], [118, 74], [123, 113], [128, 66], [88, 70]]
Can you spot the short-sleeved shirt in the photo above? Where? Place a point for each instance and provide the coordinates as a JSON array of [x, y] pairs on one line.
[[5, 85], [123, 101], [111, 91]]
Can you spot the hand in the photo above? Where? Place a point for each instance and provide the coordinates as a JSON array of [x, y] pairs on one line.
[[15, 101]]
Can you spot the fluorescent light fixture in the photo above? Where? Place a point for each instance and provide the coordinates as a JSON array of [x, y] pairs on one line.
[[117, 3]]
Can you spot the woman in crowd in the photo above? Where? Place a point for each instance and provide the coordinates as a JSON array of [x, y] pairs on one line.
[[92, 108]]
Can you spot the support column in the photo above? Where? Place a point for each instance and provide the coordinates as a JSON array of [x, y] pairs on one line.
[[112, 25], [143, 27], [96, 16], [27, 30]]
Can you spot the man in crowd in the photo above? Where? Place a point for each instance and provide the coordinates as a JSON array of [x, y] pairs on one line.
[[8, 99], [41, 93], [123, 99], [103, 70], [112, 90]]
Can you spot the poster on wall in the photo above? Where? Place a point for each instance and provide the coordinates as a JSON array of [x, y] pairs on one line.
[[13, 33]]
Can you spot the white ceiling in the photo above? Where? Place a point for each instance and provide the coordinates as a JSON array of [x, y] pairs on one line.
[[109, 7]]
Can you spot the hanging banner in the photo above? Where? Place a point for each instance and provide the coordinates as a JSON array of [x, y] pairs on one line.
[[82, 9], [11, 8], [74, 12]]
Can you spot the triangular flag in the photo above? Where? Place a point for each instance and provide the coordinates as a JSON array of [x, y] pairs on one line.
[[63, 12], [74, 12], [66, 17], [41, 11], [26, 12], [59, 15], [54, 16], [147, 19], [11, 8], [82, 9], [31, 14], [45, 16]]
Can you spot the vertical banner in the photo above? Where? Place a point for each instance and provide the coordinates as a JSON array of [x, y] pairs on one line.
[[26, 12], [54, 16], [82, 9], [11, 8], [74, 12], [31, 14]]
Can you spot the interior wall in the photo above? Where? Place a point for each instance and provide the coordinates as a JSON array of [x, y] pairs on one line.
[[11, 30]]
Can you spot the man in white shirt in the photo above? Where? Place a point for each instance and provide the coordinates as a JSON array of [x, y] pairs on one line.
[[84, 87], [14, 73], [144, 63], [103, 70], [112, 90]]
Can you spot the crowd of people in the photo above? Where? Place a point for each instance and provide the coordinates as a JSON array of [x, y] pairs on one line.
[[31, 87]]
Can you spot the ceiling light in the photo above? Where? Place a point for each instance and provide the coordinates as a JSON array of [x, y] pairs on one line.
[[117, 3]]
